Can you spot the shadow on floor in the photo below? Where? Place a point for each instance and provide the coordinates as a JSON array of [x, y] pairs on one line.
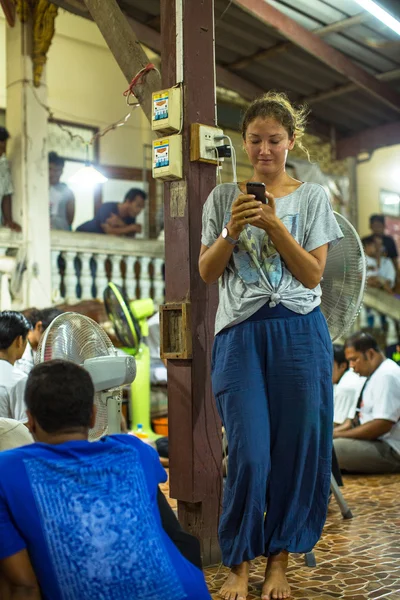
[[357, 559]]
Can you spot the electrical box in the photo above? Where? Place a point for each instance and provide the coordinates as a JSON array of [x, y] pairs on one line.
[[167, 158], [167, 110], [202, 143]]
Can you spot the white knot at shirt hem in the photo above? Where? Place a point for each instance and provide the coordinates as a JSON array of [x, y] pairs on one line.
[[274, 300]]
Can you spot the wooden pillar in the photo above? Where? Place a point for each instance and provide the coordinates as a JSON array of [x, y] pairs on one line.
[[194, 428], [26, 121]]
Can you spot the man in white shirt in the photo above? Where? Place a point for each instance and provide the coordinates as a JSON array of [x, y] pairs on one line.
[[62, 199], [6, 186], [347, 387], [372, 444], [14, 328]]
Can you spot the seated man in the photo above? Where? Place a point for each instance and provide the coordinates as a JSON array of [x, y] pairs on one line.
[[380, 270], [118, 218], [371, 443], [14, 328], [81, 520], [40, 320], [347, 387]]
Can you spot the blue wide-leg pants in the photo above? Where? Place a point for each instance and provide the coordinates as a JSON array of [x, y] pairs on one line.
[[272, 380]]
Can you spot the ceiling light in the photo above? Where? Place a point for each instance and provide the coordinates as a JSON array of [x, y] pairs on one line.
[[381, 14], [87, 176]]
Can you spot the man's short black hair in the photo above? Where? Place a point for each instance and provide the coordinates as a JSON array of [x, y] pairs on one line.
[[33, 315], [48, 315], [56, 159], [4, 135], [339, 356], [375, 218], [59, 395], [361, 342], [12, 325], [132, 193]]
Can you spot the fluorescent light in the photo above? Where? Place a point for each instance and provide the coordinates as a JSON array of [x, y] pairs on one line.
[[87, 176], [381, 14]]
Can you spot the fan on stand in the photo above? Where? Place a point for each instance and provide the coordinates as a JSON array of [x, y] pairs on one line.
[[130, 323], [344, 280], [343, 286], [81, 340]]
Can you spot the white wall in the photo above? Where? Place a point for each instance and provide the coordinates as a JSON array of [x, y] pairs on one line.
[[382, 171], [2, 61], [85, 85]]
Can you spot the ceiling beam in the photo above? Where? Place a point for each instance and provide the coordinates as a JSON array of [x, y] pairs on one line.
[[225, 78], [346, 88], [311, 43], [368, 140], [285, 46], [126, 49], [234, 82]]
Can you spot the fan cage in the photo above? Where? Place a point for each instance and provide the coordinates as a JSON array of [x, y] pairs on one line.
[[74, 337], [344, 280], [126, 326]]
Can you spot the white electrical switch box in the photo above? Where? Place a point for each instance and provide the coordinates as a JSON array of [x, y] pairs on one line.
[[167, 110], [167, 158], [203, 145]]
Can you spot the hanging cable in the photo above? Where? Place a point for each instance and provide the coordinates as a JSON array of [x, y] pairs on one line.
[[131, 89]]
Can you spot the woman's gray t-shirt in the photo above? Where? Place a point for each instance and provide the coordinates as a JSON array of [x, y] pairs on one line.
[[256, 274]]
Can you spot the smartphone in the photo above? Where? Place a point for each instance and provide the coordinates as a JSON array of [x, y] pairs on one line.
[[257, 189]]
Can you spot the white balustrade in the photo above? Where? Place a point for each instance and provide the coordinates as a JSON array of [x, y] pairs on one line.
[[55, 277], [85, 256], [363, 318], [130, 279], [392, 336], [5, 271], [158, 281], [101, 275], [9, 240], [70, 278], [116, 276], [144, 277], [86, 277]]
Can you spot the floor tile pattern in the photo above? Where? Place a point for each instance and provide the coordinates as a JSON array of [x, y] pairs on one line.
[[357, 559]]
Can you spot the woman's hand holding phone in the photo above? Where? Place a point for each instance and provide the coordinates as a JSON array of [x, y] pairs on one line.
[[268, 213], [245, 209], [268, 218]]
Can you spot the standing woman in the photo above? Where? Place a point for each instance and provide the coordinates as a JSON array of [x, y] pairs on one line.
[[272, 356]]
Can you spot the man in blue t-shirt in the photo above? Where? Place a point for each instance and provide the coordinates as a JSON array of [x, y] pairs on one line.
[[81, 520], [118, 218]]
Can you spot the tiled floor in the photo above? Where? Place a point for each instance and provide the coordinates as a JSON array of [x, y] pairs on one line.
[[358, 559]]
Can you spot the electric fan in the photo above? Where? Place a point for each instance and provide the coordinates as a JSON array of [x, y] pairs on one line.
[[81, 340], [130, 323], [344, 279]]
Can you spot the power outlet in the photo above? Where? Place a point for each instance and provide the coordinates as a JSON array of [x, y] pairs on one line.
[[202, 143]]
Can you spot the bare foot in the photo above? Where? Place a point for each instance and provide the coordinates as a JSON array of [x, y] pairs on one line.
[[276, 585], [236, 585]]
